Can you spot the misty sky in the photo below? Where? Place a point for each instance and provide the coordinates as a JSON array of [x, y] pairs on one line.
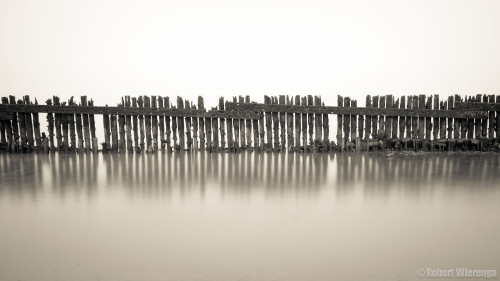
[[107, 49]]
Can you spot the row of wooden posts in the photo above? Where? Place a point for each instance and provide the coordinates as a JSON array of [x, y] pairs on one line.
[[282, 123]]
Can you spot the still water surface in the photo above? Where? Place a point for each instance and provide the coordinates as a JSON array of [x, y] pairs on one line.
[[246, 216]]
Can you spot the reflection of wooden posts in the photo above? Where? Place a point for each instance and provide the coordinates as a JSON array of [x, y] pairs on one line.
[[166, 104], [135, 125], [201, 105]]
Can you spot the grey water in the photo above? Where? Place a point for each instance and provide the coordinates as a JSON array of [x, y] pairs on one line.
[[246, 216]]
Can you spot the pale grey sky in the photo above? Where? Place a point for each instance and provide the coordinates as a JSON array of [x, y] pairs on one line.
[[107, 49]]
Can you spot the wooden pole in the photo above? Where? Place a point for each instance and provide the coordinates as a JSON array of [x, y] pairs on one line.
[[267, 100], [318, 125], [402, 119], [36, 128], [201, 105], [72, 132], [310, 122], [107, 133], [456, 122], [128, 126], [428, 123], [368, 120], [304, 127], [142, 133], [282, 100], [289, 126], [276, 129], [354, 103], [388, 123], [248, 125], [86, 129], [195, 130], [135, 124], [8, 129], [222, 125], [395, 119], [340, 139], [29, 126], [166, 104], [491, 117], [162, 125], [243, 143], [149, 140], [154, 125], [187, 120], [180, 124], [95, 144], [442, 121], [121, 131], [57, 124], [297, 124], [381, 118], [375, 118]]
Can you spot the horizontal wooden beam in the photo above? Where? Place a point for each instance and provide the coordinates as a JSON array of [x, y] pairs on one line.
[[118, 110], [259, 107], [477, 106], [6, 116]]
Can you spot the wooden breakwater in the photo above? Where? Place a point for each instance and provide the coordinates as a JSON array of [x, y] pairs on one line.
[[282, 123]]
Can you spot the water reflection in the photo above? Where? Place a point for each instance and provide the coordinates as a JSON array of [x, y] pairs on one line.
[[272, 173]]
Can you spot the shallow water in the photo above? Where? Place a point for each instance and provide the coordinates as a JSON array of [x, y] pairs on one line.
[[246, 216]]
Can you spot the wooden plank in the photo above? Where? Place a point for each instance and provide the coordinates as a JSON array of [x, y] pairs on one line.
[[57, 124], [29, 126], [222, 122], [310, 122], [107, 133], [121, 130], [409, 105], [201, 105], [154, 125], [194, 120], [148, 122], [477, 106], [242, 126], [470, 122], [402, 119], [361, 128], [86, 127], [72, 131], [15, 126], [297, 124], [368, 119], [477, 121], [282, 100], [236, 126], [166, 104], [381, 118], [442, 121], [269, 134]]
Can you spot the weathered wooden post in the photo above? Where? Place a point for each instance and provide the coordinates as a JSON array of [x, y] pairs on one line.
[[201, 105], [222, 125], [180, 124], [121, 130], [276, 128], [154, 125], [187, 120], [304, 126], [36, 128], [166, 104], [282, 146], [72, 130], [149, 140], [107, 133], [297, 124], [95, 143], [269, 130], [248, 125], [242, 130], [368, 120], [142, 133], [161, 124], [128, 126], [375, 117], [318, 124], [29, 126], [135, 125]]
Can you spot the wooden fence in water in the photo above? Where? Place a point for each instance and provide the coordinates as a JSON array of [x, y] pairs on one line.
[[300, 123]]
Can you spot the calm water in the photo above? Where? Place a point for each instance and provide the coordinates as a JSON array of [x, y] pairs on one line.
[[246, 216]]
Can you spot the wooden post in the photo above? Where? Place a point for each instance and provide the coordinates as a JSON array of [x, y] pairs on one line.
[[86, 129], [388, 123], [261, 131], [497, 121], [154, 128], [222, 122], [436, 122], [230, 138], [269, 130], [463, 124], [128, 126], [297, 124], [149, 139], [428, 123], [208, 132], [318, 125], [189, 138], [340, 139], [381, 118], [15, 126], [456, 122], [276, 129], [421, 121], [195, 130], [29, 126], [142, 132], [310, 123], [135, 125], [409, 105], [166, 104], [95, 144], [107, 133], [72, 132], [442, 121], [395, 119], [361, 128], [65, 137], [282, 100], [415, 120], [22, 130], [8, 129], [36, 128], [326, 132], [248, 124], [114, 133], [478, 121], [375, 101], [201, 105], [368, 120], [354, 103], [242, 126], [470, 122], [304, 127], [491, 117], [402, 119], [57, 123], [180, 124], [121, 131], [215, 133]]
